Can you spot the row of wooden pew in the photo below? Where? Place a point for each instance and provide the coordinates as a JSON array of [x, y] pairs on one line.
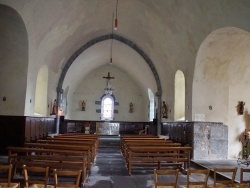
[[152, 150], [67, 151]]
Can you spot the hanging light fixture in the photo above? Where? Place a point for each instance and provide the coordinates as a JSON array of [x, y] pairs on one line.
[[116, 20], [109, 89], [111, 45]]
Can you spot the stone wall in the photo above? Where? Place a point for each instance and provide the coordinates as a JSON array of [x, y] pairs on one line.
[[209, 140]]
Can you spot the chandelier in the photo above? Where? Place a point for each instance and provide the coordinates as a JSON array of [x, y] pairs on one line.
[[109, 89]]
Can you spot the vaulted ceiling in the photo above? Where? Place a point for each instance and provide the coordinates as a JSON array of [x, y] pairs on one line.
[[168, 31]]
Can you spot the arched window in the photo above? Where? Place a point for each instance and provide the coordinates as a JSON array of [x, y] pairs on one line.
[[107, 112], [41, 103], [151, 104], [179, 105]]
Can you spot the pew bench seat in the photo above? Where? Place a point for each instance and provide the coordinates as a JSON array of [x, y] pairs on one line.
[[53, 162], [86, 148], [178, 157]]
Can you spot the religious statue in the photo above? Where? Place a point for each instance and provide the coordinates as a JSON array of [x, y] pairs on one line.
[[54, 108], [83, 106], [240, 107], [164, 110], [131, 107]]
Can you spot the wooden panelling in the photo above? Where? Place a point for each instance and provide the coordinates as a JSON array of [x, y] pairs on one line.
[[181, 132], [39, 128], [68, 126], [71, 127], [16, 130], [27, 130], [11, 131]]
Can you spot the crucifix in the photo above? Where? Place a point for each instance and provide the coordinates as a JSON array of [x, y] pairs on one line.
[[109, 89], [108, 77]]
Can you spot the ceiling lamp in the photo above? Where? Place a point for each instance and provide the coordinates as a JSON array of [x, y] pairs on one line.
[[111, 45], [116, 20], [109, 89]]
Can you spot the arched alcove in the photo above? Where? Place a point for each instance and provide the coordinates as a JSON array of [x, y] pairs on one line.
[[179, 104], [14, 61], [221, 79], [41, 91]]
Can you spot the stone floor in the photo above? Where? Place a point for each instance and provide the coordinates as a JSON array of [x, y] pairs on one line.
[[109, 170]]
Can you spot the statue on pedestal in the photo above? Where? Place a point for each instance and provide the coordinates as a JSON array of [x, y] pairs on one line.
[[164, 110], [54, 106], [131, 107], [83, 106]]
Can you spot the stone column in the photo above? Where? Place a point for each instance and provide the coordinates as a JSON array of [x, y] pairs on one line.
[[159, 94]]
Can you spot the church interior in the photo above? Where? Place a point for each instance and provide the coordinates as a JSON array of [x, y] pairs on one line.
[[104, 73]]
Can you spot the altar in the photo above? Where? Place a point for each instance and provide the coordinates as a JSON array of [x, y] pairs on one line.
[[107, 128]]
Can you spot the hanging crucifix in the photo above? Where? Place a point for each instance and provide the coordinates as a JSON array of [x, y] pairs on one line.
[[108, 89], [108, 77]]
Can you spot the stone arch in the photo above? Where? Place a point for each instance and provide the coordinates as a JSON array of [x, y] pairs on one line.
[[120, 39], [128, 43]]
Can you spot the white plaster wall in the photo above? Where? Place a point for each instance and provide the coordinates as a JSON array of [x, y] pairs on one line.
[[221, 79], [92, 88]]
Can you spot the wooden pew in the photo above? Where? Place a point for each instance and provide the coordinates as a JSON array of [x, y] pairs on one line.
[[86, 149], [53, 162], [147, 144], [178, 157], [53, 158], [71, 138], [136, 136], [124, 142], [27, 151], [75, 139], [91, 143], [81, 135]]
